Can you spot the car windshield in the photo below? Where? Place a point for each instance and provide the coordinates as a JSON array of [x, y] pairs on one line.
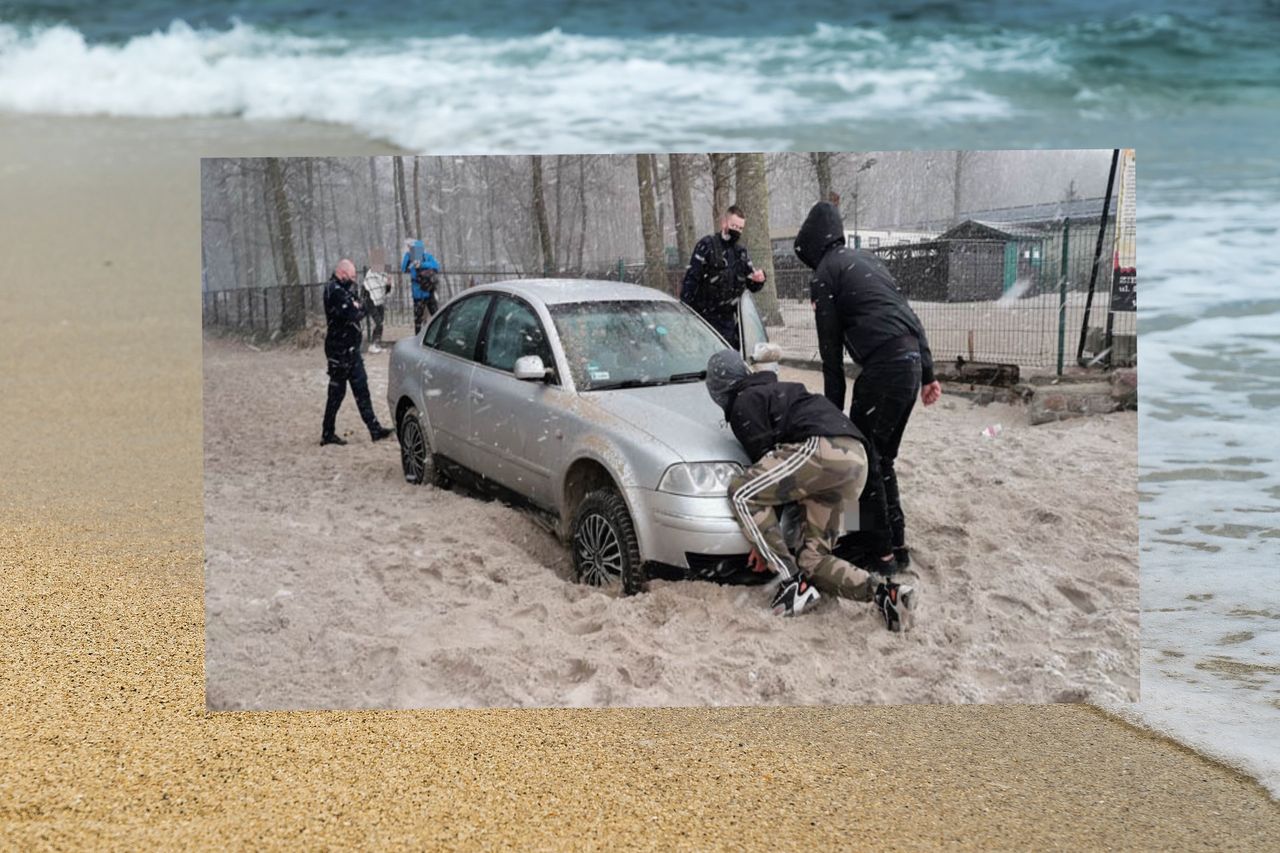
[[626, 343]]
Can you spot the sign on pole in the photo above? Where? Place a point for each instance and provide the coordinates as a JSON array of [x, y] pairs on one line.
[[1124, 280]]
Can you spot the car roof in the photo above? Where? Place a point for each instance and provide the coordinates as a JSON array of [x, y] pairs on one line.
[[552, 291]]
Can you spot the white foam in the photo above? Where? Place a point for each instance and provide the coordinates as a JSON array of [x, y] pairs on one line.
[[1210, 591], [555, 91]]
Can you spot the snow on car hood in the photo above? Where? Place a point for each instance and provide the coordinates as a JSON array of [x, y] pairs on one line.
[[680, 416]]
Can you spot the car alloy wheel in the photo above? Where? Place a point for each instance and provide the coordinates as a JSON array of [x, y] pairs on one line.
[[606, 551]]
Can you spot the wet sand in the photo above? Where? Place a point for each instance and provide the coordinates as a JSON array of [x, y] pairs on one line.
[[104, 739]]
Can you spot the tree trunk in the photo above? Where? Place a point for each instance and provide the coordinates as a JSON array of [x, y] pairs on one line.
[[337, 223], [722, 189], [822, 168], [402, 196], [440, 223], [267, 200], [461, 258], [558, 242], [654, 268], [753, 195], [661, 203], [378, 236], [682, 206], [582, 210], [291, 307], [540, 214], [313, 273], [417, 199]]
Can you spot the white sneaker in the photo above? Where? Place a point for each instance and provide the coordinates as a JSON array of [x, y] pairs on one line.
[[375, 348]]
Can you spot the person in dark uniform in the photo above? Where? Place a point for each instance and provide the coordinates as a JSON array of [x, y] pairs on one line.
[[342, 349], [859, 308], [719, 271]]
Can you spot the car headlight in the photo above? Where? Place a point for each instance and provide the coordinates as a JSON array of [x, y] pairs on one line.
[[699, 479]]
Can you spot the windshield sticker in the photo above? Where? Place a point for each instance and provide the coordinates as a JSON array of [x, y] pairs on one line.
[[599, 375]]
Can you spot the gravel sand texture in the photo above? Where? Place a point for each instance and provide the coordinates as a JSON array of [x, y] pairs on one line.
[[104, 739]]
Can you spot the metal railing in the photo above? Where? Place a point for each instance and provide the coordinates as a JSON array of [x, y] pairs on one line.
[[1021, 302]]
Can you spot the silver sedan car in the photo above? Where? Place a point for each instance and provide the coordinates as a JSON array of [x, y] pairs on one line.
[[584, 400]]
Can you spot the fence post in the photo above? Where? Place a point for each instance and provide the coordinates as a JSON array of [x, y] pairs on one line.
[[620, 269], [1062, 295]]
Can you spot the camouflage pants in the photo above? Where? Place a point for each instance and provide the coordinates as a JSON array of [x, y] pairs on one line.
[[823, 475]]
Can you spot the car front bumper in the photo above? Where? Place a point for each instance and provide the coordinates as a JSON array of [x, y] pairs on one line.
[[671, 526]]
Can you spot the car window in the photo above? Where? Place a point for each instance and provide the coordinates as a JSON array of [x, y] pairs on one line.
[[460, 327], [514, 331], [433, 329], [609, 342]]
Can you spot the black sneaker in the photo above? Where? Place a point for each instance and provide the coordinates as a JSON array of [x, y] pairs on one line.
[[895, 602], [794, 597], [332, 438], [902, 557], [380, 432]]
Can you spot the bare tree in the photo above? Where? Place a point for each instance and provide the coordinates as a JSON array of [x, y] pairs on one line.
[[822, 169], [292, 313], [375, 209], [962, 160], [417, 200], [722, 189], [682, 206], [402, 199], [540, 215], [654, 268], [582, 209], [753, 196]]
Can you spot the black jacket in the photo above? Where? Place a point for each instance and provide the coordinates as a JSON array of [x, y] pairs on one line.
[[718, 273], [856, 303], [343, 314], [763, 413]]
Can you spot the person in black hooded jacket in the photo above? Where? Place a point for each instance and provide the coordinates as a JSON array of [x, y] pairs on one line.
[[859, 308], [803, 450]]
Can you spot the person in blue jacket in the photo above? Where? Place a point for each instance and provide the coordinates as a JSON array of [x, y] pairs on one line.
[[424, 271]]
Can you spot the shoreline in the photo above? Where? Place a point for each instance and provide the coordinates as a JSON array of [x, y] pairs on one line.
[[107, 741]]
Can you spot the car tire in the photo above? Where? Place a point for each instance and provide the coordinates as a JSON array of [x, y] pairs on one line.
[[605, 548], [418, 463]]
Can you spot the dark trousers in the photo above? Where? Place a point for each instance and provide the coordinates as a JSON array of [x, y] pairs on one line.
[[376, 315], [348, 368], [883, 397], [727, 327], [424, 310]]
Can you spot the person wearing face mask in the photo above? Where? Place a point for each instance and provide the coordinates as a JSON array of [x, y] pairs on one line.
[[719, 271], [343, 312]]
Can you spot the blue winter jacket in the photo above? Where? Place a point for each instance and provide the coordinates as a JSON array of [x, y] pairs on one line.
[[421, 288]]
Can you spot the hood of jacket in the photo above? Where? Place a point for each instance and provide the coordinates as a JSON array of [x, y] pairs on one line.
[[822, 229]]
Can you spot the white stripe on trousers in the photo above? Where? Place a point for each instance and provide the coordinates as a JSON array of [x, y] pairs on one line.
[[752, 487]]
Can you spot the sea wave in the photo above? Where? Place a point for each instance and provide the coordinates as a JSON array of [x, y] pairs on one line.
[[557, 90]]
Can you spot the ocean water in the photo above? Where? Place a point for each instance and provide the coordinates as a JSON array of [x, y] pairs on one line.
[[1194, 87]]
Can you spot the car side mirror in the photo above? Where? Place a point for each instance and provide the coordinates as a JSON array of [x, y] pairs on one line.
[[530, 368], [766, 355]]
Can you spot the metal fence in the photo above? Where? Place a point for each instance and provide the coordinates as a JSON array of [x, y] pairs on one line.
[[1019, 299]]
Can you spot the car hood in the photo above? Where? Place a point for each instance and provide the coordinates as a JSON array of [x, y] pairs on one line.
[[680, 416]]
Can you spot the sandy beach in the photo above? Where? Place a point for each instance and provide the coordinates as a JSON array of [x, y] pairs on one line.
[[333, 584], [104, 735]]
